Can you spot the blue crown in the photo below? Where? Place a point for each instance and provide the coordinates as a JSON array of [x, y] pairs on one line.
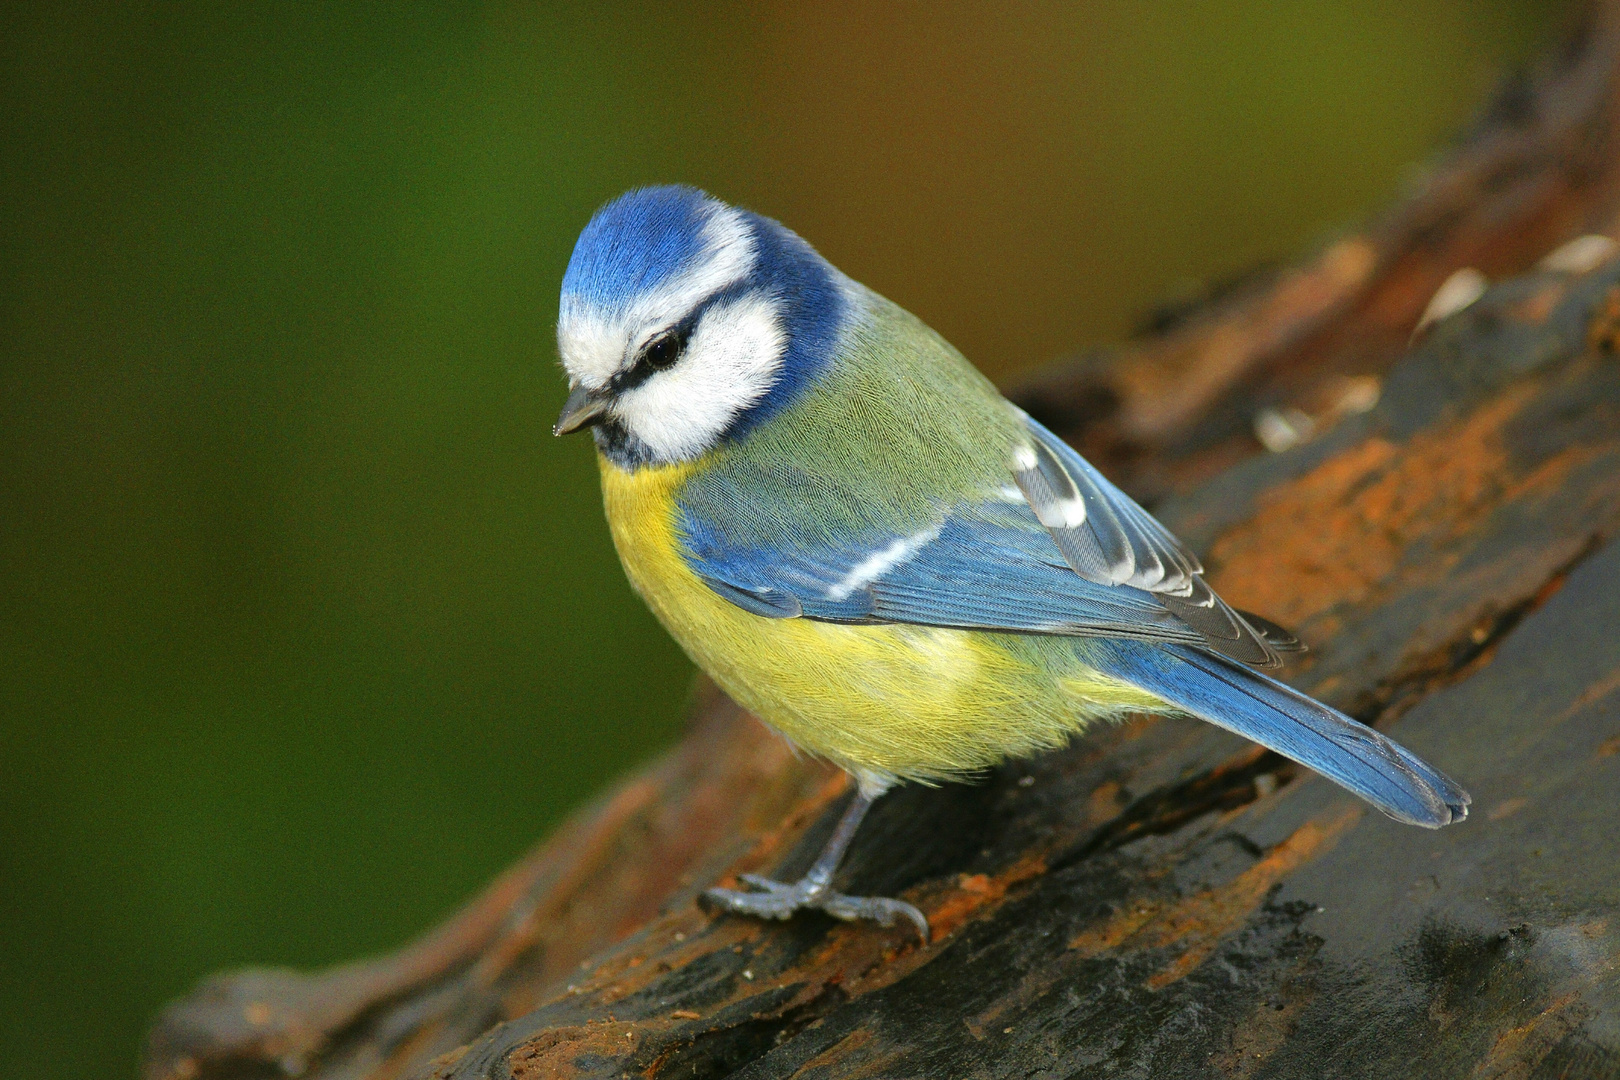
[[636, 243], [647, 237]]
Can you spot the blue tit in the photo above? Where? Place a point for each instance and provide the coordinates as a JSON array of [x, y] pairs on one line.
[[856, 536]]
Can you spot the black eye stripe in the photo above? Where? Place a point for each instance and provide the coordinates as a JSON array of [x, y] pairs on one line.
[[646, 366], [661, 351]]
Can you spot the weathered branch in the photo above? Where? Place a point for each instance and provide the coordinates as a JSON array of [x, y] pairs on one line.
[[1539, 167], [1160, 899]]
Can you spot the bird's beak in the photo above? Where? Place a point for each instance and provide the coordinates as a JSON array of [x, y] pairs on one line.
[[583, 408]]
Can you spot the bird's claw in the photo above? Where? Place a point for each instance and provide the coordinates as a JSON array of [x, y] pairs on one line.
[[779, 900], [880, 909]]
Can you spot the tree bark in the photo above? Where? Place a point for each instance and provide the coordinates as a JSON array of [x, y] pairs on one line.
[[1161, 899]]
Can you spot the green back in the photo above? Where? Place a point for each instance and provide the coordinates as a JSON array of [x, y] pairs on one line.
[[898, 426]]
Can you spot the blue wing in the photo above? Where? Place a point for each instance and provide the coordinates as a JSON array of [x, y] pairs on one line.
[[986, 566], [1063, 552], [1281, 718], [1107, 538]]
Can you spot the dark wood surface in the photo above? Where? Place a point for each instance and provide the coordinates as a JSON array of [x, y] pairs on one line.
[[1161, 899]]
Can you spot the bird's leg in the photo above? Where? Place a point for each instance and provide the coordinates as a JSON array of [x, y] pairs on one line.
[[779, 900]]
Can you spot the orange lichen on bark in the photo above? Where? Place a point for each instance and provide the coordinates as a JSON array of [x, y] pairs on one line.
[[976, 892], [1339, 533], [1201, 921], [1196, 922], [1114, 931]]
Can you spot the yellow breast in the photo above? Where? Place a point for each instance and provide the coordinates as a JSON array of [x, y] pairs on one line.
[[911, 701]]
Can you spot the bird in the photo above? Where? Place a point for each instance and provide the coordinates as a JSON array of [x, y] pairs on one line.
[[862, 542]]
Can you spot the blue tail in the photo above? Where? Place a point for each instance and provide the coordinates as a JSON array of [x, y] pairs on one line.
[[1281, 718]]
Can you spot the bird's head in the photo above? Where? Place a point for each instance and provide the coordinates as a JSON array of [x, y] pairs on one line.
[[685, 323]]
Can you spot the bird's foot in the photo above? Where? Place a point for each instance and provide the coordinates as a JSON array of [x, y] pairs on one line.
[[778, 900]]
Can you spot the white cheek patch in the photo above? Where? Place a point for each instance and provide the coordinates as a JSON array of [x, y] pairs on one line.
[[729, 363], [594, 345]]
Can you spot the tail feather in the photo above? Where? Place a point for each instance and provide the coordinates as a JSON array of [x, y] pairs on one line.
[[1280, 718], [1278, 637]]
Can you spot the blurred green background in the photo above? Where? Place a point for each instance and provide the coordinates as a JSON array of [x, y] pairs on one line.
[[307, 625]]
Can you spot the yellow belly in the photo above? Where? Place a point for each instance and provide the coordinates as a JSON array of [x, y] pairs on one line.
[[912, 702]]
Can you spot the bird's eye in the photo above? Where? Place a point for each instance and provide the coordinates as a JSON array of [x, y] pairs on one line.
[[662, 351]]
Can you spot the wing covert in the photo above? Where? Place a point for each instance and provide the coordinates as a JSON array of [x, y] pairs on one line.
[[988, 566], [1107, 538], [1101, 531]]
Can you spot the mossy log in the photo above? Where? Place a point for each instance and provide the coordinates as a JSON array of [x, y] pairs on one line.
[[1161, 899]]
